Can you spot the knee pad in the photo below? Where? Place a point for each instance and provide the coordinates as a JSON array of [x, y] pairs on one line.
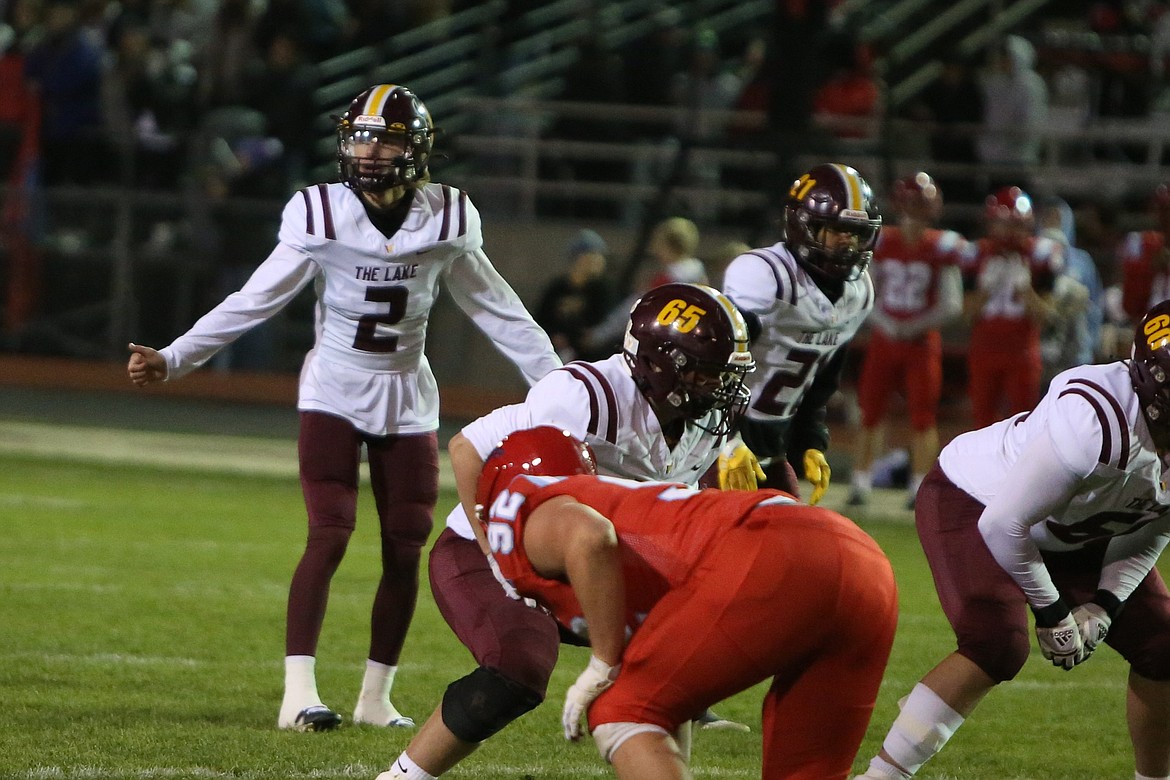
[[477, 706]]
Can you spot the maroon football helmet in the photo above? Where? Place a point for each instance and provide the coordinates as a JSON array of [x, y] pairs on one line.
[[385, 114], [831, 197], [543, 451], [1149, 371], [918, 197], [687, 349]]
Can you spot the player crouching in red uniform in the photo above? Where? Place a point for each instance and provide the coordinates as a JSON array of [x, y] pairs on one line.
[[719, 591]]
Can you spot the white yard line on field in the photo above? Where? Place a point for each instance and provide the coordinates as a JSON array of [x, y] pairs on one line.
[[202, 452]]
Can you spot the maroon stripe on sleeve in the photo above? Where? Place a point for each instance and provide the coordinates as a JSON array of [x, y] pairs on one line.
[[1106, 434], [308, 213], [462, 212], [327, 212], [1118, 412], [593, 406], [446, 213], [610, 401]]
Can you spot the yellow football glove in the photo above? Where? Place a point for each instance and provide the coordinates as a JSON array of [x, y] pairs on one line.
[[739, 469], [817, 471]]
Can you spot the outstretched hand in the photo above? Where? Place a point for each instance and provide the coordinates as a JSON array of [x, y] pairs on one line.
[[146, 365]]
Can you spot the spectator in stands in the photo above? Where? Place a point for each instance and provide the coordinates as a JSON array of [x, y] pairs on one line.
[[954, 106], [578, 299], [229, 52], [673, 245], [849, 102], [1008, 278], [1073, 338], [65, 69], [281, 88], [1015, 105], [149, 101]]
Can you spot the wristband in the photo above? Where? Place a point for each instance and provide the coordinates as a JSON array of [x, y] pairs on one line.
[[1050, 616], [1110, 603]]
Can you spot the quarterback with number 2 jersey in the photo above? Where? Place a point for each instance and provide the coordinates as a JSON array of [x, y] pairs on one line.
[[376, 248]]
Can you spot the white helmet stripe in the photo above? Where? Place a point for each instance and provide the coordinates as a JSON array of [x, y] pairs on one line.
[[377, 99], [852, 186]]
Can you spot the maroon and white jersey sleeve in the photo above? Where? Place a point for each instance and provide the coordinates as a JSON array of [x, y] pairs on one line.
[[495, 308], [1079, 469], [273, 284]]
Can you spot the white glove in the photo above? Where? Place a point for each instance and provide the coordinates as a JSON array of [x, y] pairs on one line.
[[1062, 644], [1093, 622], [597, 677]]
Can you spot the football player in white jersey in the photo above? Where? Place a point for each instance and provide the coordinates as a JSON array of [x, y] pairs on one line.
[[375, 246], [1063, 509], [806, 297], [658, 410]]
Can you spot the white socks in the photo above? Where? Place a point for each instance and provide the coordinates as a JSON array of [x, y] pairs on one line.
[[300, 688], [861, 481], [1140, 776], [915, 483], [920, 730], [404, 768], [373, 704]]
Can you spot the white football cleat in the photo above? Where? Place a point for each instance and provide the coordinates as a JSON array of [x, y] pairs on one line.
[[381, 713], [317, 717]]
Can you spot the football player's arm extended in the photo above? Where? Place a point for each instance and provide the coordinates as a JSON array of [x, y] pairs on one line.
[[1040, 484], [467, 464], [495, 308], [272, 286], [567, 540]]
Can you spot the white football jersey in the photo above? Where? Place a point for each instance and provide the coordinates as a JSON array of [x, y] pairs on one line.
[[374, 297], [801, 327], [1102, 480], [599, 404]]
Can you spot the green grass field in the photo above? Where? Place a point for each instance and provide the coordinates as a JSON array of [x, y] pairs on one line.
[[142, 625]]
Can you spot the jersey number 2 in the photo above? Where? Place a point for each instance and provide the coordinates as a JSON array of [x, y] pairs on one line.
[[367, 338]]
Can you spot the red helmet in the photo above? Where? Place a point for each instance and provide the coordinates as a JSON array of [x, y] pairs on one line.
[[382, 114], [918, 197], [687, 349], [834, 197], [1149, 371], [1011, 205], [543, 451]]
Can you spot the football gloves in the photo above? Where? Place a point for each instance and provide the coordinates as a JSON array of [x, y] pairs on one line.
[[1059, 638], [739, 469], [816, 471], [591, 683], [1093, 623]]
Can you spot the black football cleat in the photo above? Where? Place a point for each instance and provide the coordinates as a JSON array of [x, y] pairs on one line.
[[316, 718]]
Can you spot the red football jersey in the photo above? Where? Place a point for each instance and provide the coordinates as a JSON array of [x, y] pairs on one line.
[[1145, 278], [1003, 324], [665, 530], [905, 273]]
